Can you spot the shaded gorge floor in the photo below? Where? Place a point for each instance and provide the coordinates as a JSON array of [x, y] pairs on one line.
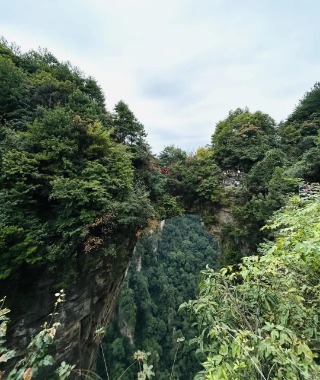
[[164, 273]]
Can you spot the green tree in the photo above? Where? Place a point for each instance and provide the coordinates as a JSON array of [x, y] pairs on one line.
[[242, 139], [127, 129], [308, 105], [66, 186], [299, 132], [13, 87], [262, 172], [259, 319], [163, 273], [172, 155]]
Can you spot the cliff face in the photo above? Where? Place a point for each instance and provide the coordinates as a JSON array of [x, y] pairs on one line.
[[147, 314], [90, 301]]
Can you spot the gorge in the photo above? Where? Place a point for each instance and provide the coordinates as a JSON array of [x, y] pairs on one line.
[[79, 185]]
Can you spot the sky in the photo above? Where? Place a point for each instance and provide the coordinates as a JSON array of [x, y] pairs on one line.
[[180, 65]]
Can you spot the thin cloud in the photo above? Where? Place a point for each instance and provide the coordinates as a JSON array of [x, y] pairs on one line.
[[180, 65]]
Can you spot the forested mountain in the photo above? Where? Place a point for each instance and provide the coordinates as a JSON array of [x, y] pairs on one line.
[[73, 191], [260, 319], [64, 178], [79, 184], [163, 274]]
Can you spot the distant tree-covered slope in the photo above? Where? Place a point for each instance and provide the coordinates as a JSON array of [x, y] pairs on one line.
[[163, 274], [300, 136], [76, 179], [72, 172], [242, 139], [249, 170]]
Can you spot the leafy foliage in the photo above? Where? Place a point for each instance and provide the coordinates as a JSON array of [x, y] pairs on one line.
[[194, 178], [299, 132], [259, 320], [76, 178], [309, 104], [38, 361], [163, 274], [61, 169], [129, 131], [242, 139]]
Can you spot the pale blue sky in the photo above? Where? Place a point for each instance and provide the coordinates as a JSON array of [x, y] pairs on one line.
[[181, 65]]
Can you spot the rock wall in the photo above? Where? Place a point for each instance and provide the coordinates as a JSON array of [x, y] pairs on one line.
[[89, 305], [90, 299]]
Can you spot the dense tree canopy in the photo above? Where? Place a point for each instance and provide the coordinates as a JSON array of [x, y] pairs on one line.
[[259, 319], [66, 175], [299, 132], [242, 139], [76, 179], [163, 274]]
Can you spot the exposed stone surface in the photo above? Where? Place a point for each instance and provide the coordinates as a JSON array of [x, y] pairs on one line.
[[126, 331], [90, 300], [222, 216], [89, 305]]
